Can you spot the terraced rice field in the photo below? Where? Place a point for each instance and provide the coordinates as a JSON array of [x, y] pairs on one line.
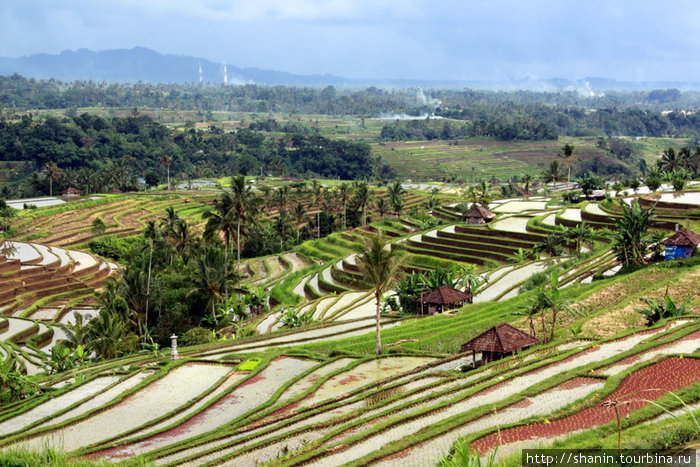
[[310, 402]]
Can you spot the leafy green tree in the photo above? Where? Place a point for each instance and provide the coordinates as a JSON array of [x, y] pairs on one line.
[[7, 212], [380, 267], [98, 226], [14, 385]]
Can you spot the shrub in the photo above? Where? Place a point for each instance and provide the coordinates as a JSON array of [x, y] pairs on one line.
[[197, 335]]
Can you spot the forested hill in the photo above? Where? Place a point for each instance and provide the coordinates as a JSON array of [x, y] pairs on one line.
[[136, 145], [142, 64]]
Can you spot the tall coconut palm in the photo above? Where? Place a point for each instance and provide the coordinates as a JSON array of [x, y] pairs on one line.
[[396, 193], [221, 219], [380, 267], [245, 206], [526, 179], [362, 195], [344, 193], [167, 161], [53, 172], [317, 196], [568, 150], [152, 234], [282, 197]]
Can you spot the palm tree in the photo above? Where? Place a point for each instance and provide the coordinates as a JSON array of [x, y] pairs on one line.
[[212, 276], [362, 196], [135, 287], [344, 192], [223, 219], [396, 192], [282, 228], [245, 206], [168, 222], [630, 237], [167, 160], [552, 173], [181, 237], [53, 173], [526, 179], [550, 297], [300, 215], [282, 197], [580, 233], [669, 161], [151, 233], [568, 150], [382, 206], [380, 267], [109, 336], [317, 193]]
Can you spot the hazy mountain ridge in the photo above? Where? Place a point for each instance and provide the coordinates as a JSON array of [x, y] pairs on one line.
[[142, 64]]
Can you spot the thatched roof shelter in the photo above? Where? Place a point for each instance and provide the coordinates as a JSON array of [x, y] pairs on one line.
[[681, 245], [478, 215], [441, 297], [500, 341], [684, 237]]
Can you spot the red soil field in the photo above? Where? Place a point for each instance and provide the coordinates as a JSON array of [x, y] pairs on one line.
[[648, 383]]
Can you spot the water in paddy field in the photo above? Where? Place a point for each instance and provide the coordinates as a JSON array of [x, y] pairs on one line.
[[38, 202], [685, 198]]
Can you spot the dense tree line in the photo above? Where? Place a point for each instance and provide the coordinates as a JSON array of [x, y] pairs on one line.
[[113, 151], [611, 113], [504, 129]]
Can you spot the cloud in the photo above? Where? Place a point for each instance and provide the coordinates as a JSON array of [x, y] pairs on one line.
[[450, 39]]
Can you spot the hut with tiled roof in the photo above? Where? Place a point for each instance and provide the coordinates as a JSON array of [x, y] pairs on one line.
[[500, 341], [681, 245], [436, 300], [478, 215]]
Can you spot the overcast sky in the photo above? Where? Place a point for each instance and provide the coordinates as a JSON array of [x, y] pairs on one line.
[[432, 39]]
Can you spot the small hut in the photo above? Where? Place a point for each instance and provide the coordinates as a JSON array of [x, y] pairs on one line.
[[500, 341], [436, 300], [71, 192], [478, 215], [681, 245]]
